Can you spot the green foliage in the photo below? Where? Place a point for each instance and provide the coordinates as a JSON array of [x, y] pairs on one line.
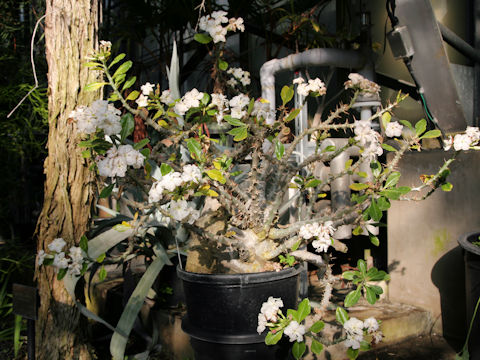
[[363, 278]]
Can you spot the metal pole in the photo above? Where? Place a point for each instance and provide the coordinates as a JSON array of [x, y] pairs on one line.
[[31, 339]]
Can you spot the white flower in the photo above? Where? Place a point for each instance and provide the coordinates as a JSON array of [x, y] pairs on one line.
[[313, 85], [57, 245], [262, 323], [105, 167], [142, 101], [447, 144], [191, 173], [119, 166], [105, 45], [239, 101], [298, 80], [41, 257], [76, 254], [261, 109], [147, 88], [239, 75], [271, 307], [377, 337], [461, 142], [473, 133], [354, 326], [322, 233], [353, 343], [371, 324], [295, 331], [59, 261], [235, 24], [75, 268], [393, 129], [182, 210], [166, 97], [189, 100], [357, 81], [237, 113]]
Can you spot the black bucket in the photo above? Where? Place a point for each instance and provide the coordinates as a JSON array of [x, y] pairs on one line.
[[222, 311], [472, 286]]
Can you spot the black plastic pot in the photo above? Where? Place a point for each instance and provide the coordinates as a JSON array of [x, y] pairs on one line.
[[222, 311], [472, 285]]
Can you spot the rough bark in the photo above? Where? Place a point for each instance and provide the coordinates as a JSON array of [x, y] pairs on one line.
[[70, 35]]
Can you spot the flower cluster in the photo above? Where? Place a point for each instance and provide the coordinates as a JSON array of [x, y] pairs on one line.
[[74, 263], [239, 76], [117, 160], [182, 210], [358, 82], [190, 100], [170, 181], [315, 86], [99, 115], [322, 232], [463, 141], [295, 331], [269, 313], [356, 329], [212, 24], [368, 139]]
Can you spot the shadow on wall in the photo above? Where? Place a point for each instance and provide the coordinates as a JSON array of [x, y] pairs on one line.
[[448, 275]]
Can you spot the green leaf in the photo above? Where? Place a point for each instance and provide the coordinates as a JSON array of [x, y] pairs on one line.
[[370, 295], [374, 240], [133, 95], [348, 163], [364, 346], [272, 339], [313, 183], [349, 275], [122, 69], [239, 133], [202, 38], [362, 266], [376, 289], [357, 231], [139, 145], [317, 326], [102, 274], [303, 310], [383, 203], [83, 243], [100, 258], [165, 169], [392, 179], [205, 99], [293, 314], [92, 64], [94, 86], [106, 191], [407, 124], [316, 347], [431, 134], [362, 174], [286, 94], [341, 315], [292, 115], [129, 82], [394, 194], [388, 147], [378, 275], [61, 274], [195, 148], [128, 125], [234, 122], [135, 303], [358, 186], [329, 148], [298, 349], [352, 297], [222, 65], [447, 187], [352, 354], [86, 154], [376, 168], [106, 240], [420, 127], [251, 105], [217, 175], [279, 150], [386, 117], [374, 211], [116, 60]]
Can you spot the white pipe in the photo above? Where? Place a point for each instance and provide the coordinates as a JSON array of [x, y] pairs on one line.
[[318, 57]]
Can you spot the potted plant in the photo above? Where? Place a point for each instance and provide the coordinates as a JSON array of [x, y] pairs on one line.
[[227, 206]]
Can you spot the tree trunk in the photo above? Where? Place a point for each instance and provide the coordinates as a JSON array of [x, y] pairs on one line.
[[70, 34]]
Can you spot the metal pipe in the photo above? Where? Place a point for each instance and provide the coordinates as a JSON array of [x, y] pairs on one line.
[[459, 44], [318, 57]]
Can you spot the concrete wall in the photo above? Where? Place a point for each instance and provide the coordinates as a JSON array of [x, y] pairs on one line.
[[425, 261]]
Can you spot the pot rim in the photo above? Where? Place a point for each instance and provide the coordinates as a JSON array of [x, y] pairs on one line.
[[465, 242], [239, 279]]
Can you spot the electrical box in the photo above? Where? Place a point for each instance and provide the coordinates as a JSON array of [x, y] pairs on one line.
[[400, 42]]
